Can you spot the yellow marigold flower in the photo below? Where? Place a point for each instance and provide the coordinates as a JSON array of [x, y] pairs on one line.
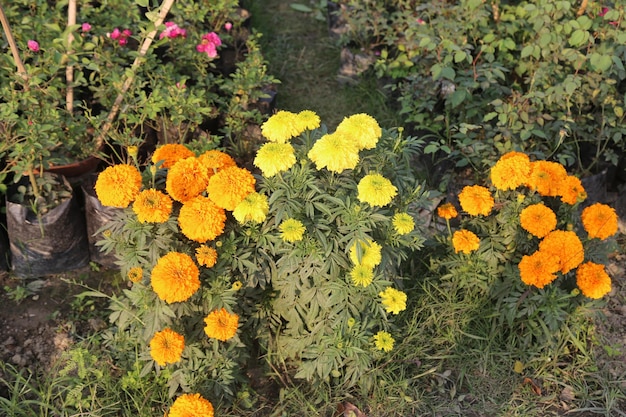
[[175, 277], [236, 286], [281, 127], [118, 185], [538, 220], [206, 256], [152, 206], [383, 341], [465, 241], [476, 200], [403, 223], [307, 120], [200, 219], [362, 275], [215, 160], [335, 152], [221, 325], [539, 269], [376, 190], [166, 347], [566, 246], [599, 220], [291, 230], [546, 177], [362, 129], [132, 151], [369, 251], [273, 158], [186, 179], [171, 153], [572, 190], [191, 405], [447, 211], [593, 280], [135, 274], [230, 186], [253, 208], [511, 171], [393, 300]]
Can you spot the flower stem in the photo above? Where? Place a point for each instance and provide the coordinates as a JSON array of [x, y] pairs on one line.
[[16, 54]]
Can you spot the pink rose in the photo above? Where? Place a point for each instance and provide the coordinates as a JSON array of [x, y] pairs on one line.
[[33, 45]]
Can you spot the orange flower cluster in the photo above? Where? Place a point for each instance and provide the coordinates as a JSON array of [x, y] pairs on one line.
[[559, 251], [549, 179]]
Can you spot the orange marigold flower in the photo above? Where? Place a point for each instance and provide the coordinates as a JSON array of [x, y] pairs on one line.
[[230, 186], [599, 220], [200, 219], [206, 256], [221, 325], [510, 171], [539, 269], [118, 185], [215, 160], [152, 206], [593, 280], [572, 190], [538, 220], [566, 246], [135, 274], [191, 405], [546, 177], [465, 241], [186, 179], [166, 347], [476, 200], [175, 277], [171, 153], [447, 211]]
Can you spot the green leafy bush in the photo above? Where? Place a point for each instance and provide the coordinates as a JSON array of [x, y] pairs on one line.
[[488, 77]]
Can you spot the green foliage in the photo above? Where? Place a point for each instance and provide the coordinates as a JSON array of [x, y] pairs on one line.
[[489, 77]]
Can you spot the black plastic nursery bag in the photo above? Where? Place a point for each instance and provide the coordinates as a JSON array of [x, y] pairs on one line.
[[98, 216], [54, 243]]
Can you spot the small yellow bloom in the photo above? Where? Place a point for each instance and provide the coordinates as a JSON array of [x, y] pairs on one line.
[[253, 208], [367, 253], [291, 230], [273, 158], [362, 275], [393, 300], [335, 152], [403, 223], [362, 128], [280, 127], [376, 190], [236, 286], [383, 341]]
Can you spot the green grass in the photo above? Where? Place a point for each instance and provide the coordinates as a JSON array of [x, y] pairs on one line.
[[302, 55]]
